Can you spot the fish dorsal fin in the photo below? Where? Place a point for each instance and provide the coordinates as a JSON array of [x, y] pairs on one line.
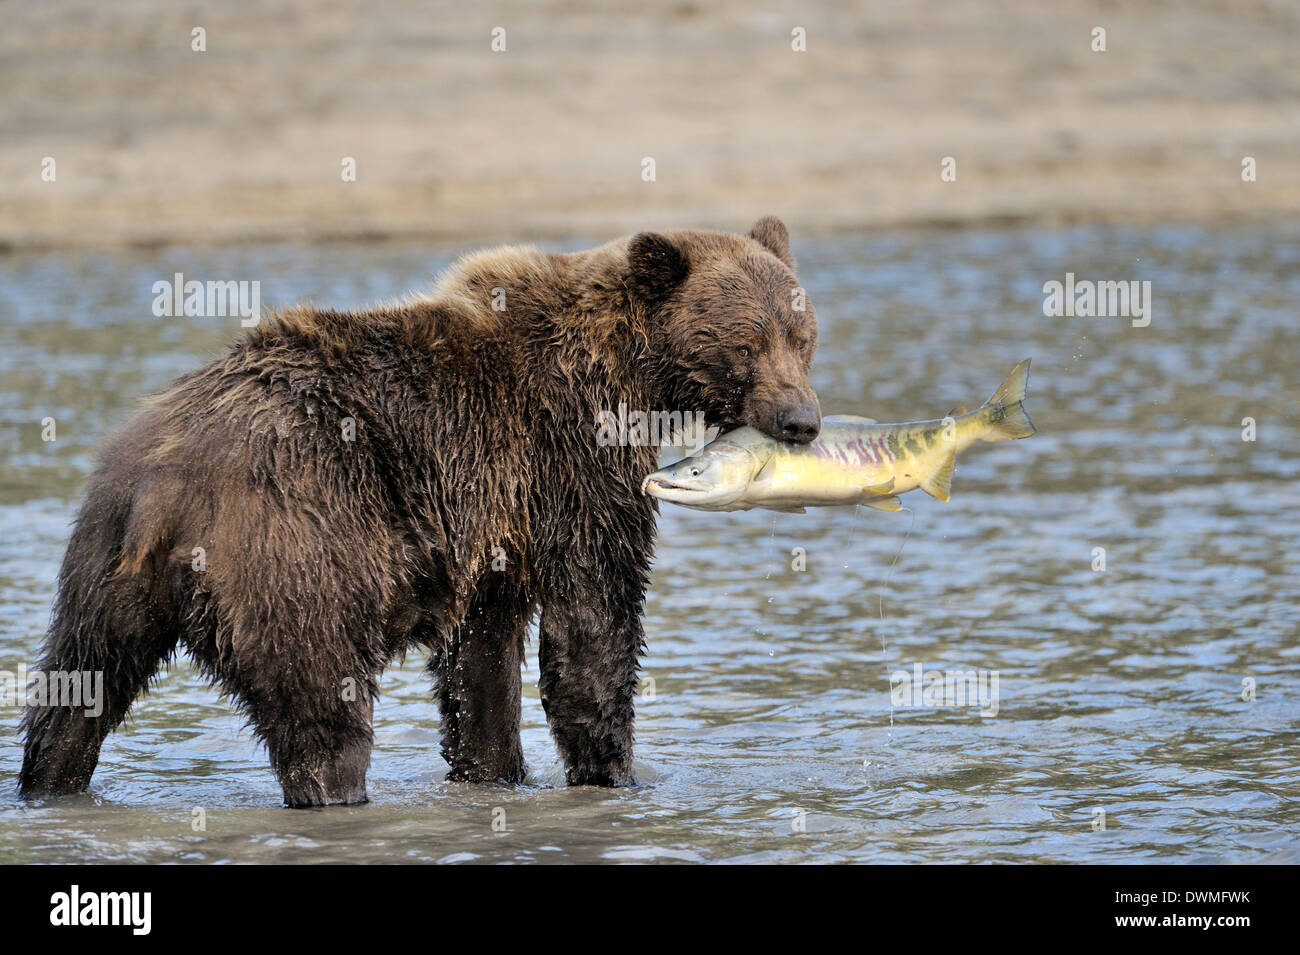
[[849, 419], [939, 484], [959, 410], [883, 502]]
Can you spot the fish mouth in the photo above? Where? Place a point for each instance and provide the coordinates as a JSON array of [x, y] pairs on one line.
[[653, 484], [703, 497]]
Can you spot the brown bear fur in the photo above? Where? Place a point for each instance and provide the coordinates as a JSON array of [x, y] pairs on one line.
[[474, 438]]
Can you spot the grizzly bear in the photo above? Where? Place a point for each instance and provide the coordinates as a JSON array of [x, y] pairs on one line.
[[340, 487]]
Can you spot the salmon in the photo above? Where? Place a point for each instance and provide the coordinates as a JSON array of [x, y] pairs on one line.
[[853, 460]]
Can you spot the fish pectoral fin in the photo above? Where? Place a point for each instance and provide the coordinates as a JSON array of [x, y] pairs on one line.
[[883, 502], [879, 497], [789, 510], [939, 484], [876, 490], [849, 419]]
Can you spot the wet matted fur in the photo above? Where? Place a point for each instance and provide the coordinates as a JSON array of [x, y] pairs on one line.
[[351, 476]]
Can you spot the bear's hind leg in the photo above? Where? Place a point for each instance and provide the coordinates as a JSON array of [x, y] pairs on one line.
[[318, 734], [307, 682], [324, 764], [109, 636], [476, 676], [298, 596]]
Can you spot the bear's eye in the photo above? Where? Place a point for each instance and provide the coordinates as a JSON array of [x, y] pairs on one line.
[[743, 351]]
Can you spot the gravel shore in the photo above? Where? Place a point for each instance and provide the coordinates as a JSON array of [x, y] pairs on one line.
[[154, 143]]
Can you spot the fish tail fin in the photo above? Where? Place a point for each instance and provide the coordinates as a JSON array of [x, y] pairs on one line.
[[1007, 417]]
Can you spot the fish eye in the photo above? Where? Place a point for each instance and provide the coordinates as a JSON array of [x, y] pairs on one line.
[[695, 472]]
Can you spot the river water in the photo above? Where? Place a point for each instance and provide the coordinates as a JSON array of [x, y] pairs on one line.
[[1145, 712]]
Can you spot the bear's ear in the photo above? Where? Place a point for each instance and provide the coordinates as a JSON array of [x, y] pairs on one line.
[[655, 267], [771, 233]]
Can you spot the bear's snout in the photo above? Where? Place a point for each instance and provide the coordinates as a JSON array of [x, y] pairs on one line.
[[792, 414], [799, 423]]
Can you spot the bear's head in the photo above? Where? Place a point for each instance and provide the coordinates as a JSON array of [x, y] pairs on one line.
[[730, 331]]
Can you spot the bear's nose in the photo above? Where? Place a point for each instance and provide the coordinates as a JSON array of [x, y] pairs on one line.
[[800, 423]]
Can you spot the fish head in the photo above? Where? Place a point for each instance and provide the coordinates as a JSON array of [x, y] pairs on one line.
[[714, 479]]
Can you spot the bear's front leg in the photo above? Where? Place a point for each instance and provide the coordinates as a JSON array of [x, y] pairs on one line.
[[588, 659]]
